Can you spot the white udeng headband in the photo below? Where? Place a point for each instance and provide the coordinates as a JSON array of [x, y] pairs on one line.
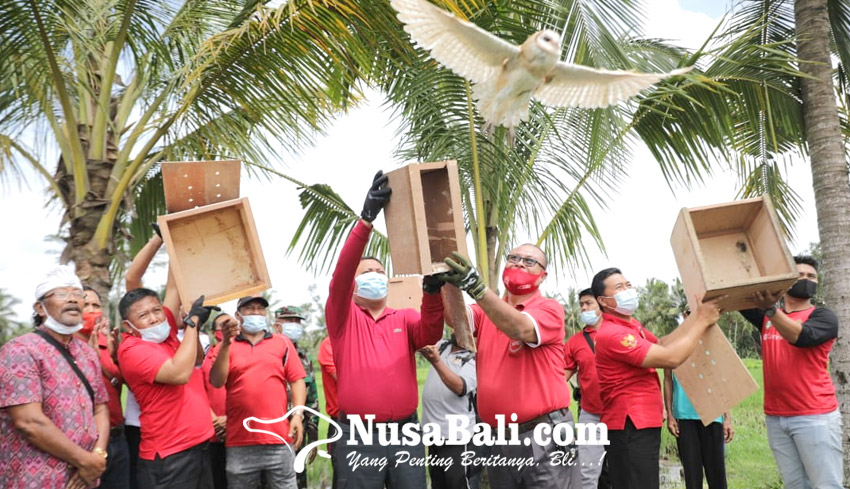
[[61, 276]]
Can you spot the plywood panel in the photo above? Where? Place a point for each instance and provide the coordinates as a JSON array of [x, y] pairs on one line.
[[721, 217], [405, 292], [456, 315], [714, 378], [191, 184], [728, 258], [215, 251]]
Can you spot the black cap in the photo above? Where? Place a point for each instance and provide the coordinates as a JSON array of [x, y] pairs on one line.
[[252, 298]]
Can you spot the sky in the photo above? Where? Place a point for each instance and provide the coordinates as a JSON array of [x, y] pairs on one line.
[[635, 224]]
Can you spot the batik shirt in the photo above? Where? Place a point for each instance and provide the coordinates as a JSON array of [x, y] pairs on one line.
[[32, 370]]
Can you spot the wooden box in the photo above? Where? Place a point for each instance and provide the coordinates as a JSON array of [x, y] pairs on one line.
[[215, 250], [424, 217], [732, 249], [191, 184]]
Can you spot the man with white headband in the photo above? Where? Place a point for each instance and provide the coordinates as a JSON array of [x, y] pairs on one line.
[[374, 349], [54, 420]]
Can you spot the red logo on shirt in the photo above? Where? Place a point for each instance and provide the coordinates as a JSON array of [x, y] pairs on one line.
[[515, 346], [628, 341]]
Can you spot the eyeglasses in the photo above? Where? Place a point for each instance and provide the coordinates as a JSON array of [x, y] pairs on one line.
[[527, 261], [64, 294]]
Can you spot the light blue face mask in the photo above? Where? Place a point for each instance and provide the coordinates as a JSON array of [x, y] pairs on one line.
[[589, 318], [154, 334], [293, 331], [371, 285], [254, 324], [627, 301]]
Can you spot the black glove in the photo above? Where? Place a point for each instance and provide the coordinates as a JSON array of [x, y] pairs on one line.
[[377, 197], [432, 284], [464, 276], [198, 309], [155, 227]]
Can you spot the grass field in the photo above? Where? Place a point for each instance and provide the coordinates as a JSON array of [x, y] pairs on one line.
[[749, 463]]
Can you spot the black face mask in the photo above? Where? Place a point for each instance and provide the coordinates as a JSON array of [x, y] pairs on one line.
[[803, 289]]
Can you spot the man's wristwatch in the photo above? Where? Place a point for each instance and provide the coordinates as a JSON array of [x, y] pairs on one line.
[[100, 452], [770, 311]]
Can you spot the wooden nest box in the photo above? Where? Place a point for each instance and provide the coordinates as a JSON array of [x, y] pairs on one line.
[[732, 249]]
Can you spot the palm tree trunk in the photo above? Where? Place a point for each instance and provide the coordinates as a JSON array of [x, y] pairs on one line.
[[831, 186]]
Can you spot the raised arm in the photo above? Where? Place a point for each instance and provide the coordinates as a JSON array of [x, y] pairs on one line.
[[342, 281], [678, 345], [141, 262]]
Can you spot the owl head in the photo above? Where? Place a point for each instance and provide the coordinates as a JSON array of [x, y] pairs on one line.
[[548, 41]]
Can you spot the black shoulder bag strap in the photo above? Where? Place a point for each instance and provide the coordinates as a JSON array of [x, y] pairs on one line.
[[71, 361], [589, 342]]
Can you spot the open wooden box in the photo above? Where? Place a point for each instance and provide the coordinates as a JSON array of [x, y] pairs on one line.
[[424, 217], [405, 292], [732, 249], [215, 250]]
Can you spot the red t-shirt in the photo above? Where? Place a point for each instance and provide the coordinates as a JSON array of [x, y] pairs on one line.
[[116, 415], [326, 360], [216, 395], [375, 358], [626, 388], [256, 386], [514, 377], [173, 417], [579, 356], [796, 379]]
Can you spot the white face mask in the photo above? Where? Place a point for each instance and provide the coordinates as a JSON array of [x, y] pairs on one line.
[[372, 285], [627, 301], [589, 318], [254, 324], [54, 325], [154, 334]]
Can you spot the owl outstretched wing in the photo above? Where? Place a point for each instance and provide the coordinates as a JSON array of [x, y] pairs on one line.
[[461, 46], [593, 88]]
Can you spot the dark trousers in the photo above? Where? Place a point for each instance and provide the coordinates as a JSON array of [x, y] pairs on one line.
[[218, 464], [633, 457], [117, 474], [133, 434], [396, 474], [189, 469], [455, 476], [604, 477], [701, 447]]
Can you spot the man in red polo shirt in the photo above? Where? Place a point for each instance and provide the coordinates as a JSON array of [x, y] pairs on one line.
[[580, 354], [326, 361], [520, 367], [175, 412], [626, 358], [217, 397], [117, 473], [254, 365], [800, 407], [374, 350]]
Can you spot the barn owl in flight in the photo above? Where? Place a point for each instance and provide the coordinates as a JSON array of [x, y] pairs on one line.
[[505, 76]]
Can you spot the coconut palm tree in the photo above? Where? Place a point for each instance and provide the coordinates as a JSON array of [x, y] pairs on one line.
[[95, 93], [8, 327]]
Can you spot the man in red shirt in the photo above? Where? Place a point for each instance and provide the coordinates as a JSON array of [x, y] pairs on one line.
[[374, 350], [801, 410], [580, 354], [626, 358], [217, 397], [175, 412], [520, 367], [254, 365], [117, 474], [326, 361]]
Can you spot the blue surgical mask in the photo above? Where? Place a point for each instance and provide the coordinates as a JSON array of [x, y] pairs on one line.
[[589, 318], [293, 331], [627, 301], [154, 334], [254, 324], [371, 285]]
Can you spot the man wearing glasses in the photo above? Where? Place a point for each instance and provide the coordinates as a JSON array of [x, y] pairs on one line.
[[520, 366], [54, 422]]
